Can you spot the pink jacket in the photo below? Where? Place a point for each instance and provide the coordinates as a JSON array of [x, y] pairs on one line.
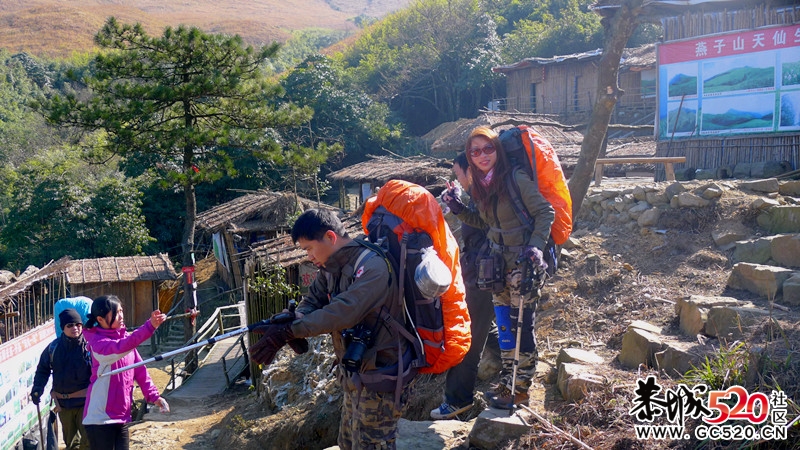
[[109, 398]]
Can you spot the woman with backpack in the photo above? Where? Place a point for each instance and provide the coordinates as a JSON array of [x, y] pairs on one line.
[[511, 245]]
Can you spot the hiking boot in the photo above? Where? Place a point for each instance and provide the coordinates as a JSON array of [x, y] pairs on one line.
[[502, 400], [447, 411]]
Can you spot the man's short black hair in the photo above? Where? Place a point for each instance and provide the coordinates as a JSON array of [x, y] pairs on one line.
[[461, 161], [314, 223]]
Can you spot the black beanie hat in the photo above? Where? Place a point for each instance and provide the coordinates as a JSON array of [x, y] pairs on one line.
[[69, 315]]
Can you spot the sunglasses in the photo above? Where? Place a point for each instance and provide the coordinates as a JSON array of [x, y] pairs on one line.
[[70, 325], [488, 149]]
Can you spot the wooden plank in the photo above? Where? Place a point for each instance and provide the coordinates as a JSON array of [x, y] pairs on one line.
[[642, 160]]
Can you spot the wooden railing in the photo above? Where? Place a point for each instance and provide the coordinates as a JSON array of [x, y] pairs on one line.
[[217, 324]]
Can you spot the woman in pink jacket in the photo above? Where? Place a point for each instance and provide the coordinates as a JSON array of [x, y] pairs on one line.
[[108, 402]]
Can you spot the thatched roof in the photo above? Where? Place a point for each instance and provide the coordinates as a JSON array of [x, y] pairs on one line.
[[566, 139], [638, 58], [420, 169], [282, 250], [30, 277], [124, 268], [559, 135], [256, 211]]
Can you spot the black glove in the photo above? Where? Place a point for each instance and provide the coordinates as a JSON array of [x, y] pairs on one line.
[[275, 337], [36, 397], [299, 345], [537, 258], [452, 198]]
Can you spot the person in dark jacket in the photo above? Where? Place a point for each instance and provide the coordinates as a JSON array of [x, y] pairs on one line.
[[460, 380], [348, 299], [68, 360], [511, 242]]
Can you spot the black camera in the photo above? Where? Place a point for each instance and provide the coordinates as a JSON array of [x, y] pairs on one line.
[[357, 340]]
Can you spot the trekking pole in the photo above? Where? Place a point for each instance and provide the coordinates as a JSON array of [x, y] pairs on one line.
[[278, 318], [41, 433], [530, 276]]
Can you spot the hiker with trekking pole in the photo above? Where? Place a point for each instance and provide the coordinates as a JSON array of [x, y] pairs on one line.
[[513, 242], [67, 359]]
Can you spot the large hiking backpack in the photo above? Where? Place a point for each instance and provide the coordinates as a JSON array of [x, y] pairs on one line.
[[521, 143], [404, 219]]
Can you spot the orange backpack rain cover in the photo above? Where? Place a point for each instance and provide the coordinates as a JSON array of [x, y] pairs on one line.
[[419, 210], [552, 182]]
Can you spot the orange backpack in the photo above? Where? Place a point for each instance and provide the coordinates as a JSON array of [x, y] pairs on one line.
[[404, 218], [520, 144]]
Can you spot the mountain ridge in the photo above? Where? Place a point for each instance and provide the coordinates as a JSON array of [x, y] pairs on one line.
[[59, 28]]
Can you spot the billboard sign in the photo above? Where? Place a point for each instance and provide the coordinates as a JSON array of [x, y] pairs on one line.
[[727, 84]]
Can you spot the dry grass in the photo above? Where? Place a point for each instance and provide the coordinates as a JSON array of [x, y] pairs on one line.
[[58, 28]]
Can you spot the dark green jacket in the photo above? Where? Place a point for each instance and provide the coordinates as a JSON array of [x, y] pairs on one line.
[[505, 227]]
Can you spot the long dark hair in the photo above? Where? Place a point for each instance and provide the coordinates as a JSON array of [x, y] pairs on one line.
[[483, 194], [101, 306]]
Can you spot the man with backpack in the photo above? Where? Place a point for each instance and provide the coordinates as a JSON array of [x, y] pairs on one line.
[[68, 360], [353, 297]]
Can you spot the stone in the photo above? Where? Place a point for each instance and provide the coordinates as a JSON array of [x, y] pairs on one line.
[[712, 193], [705, 174], [657, 198], [680, 357], [768, 169], [640, 194], [742, 170], [689, 200], [692, 312], [757, 251], [649, 218], [674, 189], [781, 219], [764, 203], [734, 323], [492, 428], [726, 233], [646, 326], [758, 279], [638, 347], [786, 249], [575, 380], [791, 290], [790, 188], [765, 185], [577, 355]]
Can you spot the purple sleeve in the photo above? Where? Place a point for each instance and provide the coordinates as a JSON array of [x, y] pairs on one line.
[[142, 377]]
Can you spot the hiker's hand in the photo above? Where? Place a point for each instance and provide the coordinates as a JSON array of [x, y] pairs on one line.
[[452, 198], [299, 345], [537, 258], [274, 338], [36, 397], [162, 404], [157, 318]]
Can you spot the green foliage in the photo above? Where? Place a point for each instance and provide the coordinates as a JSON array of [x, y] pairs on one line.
[[433, 61], [563, 28], [174, 105], [273, 284], [57, 206], [302, 44], [727, 368]]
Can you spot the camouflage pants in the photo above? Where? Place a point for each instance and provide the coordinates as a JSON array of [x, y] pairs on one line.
[[526, 370], [369, 419]]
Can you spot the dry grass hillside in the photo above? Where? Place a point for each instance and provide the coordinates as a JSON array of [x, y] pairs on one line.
[[57, 28]]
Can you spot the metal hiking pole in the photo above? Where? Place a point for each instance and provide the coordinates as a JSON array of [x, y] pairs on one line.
[[525, 286], [41, 433], [278, 318]]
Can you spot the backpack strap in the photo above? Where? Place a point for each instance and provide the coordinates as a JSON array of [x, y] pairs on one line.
[[51, 349]]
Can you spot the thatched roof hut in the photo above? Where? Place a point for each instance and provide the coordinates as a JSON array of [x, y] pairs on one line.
[[134, 279], [255, 211], [373, 173]]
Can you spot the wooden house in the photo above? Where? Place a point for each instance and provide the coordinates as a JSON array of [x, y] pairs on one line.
[[566, 86], [134, 279], [703, 115], [232, 227], [359, 181]]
